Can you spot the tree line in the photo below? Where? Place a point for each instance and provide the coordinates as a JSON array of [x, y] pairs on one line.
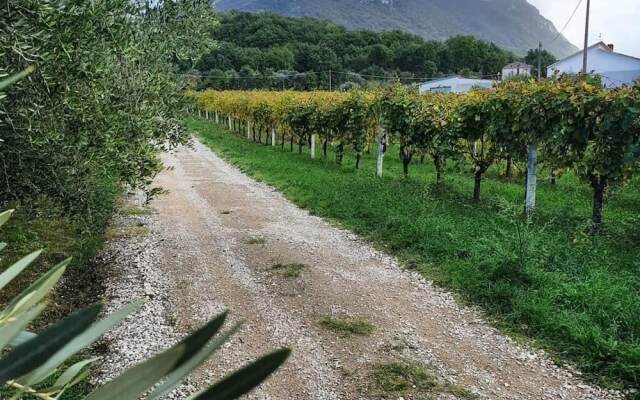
[[565, 124], [265, 50]]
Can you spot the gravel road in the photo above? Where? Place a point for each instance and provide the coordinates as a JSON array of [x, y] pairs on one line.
[[211, 245]]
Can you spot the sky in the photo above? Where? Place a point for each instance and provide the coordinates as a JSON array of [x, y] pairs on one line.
[[612, 21]]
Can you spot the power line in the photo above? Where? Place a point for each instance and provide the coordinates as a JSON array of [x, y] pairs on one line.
[[407, 78], [279, 76], [573, 14], [351, 74]]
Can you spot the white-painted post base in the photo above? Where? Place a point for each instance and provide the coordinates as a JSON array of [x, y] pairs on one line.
[[313, 146], [532, 178], [206, 114], [380, 152], [229, 122], [273, 136], [199, 113], [217, 117], [248, 130]]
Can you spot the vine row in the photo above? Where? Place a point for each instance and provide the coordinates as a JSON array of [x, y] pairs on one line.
[[566, 124]]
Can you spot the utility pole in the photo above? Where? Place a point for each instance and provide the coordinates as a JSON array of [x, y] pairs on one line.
[[586, 40], [539, 60]]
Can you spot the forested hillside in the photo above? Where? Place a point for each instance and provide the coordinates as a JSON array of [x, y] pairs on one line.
[[268, 50], [512, 24]]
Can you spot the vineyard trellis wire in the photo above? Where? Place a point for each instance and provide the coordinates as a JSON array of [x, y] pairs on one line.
[[563, 124]]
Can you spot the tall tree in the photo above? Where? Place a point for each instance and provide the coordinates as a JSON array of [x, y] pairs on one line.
[[532, 59]]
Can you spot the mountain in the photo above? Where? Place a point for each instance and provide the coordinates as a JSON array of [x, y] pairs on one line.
[[514, 25]]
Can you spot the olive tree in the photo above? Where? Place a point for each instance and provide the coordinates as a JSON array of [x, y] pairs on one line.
[[106, 92]]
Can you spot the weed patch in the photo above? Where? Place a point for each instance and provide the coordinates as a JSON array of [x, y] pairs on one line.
[[413, 380], [255, 240], [346, 327], [293, 270], [403, 377]]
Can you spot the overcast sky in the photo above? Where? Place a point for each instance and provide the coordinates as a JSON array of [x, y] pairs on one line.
[[618, 21]]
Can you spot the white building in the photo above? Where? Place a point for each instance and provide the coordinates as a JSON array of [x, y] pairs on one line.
[[615, 69], [516, 69], [454, 84]]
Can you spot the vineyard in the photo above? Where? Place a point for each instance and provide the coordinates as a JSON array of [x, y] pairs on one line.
[[552, 126], [559, 276]]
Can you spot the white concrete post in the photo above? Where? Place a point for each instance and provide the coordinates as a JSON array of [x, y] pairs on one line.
[[313, 145], [229, 121], [217, 118], [248, 130], [381, 139], [199, 113], [532, 163], [206, 114], [273, 136]]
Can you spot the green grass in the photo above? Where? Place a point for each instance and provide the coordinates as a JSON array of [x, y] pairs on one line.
[[574, 294], [292, 270], [346, 326]]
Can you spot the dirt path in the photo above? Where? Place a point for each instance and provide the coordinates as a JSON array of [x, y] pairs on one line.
[[219, 233]]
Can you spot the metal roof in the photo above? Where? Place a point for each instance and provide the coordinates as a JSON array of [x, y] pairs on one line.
[[601, 45], [446, 78]]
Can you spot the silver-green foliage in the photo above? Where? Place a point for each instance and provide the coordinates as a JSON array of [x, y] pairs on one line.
[[36, 365], [104, 96]]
